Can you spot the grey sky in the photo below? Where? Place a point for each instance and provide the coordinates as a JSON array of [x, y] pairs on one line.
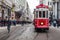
[[34, 3]]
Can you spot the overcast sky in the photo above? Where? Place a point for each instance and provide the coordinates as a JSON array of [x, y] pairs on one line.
[[34, 3]]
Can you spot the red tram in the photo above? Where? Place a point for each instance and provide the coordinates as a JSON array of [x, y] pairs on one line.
[[41, 18]]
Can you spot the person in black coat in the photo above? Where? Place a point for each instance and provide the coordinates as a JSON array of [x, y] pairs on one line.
[[8, 25], [58, 23], [54, 22]]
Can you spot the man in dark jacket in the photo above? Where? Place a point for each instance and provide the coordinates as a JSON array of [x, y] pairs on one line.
[[9, 25], [54, 22], [58, 23]]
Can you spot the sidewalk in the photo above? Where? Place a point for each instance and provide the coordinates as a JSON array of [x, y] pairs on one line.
[[55, 27]]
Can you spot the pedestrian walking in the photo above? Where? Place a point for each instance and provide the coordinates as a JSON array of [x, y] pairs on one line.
[[54, 22], [58, 23], [50, 21], [9, 25]]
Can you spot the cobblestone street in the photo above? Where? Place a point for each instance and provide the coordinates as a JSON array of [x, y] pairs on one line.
[[27, 32]]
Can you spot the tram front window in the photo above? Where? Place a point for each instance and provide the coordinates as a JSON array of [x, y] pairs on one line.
[[39, 13], [43, 14], [47, 14]]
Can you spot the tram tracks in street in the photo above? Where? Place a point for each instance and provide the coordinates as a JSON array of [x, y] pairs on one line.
[[42, 35], [36, 36], [47, 32]]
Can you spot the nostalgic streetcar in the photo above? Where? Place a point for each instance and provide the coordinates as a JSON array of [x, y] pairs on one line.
[[41, 18]]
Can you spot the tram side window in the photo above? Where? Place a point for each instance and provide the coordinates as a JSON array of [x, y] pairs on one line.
[[36, 14], [43, 14], [39, 13]]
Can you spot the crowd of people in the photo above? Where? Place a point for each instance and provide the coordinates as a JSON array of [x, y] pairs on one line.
[[55, 23]]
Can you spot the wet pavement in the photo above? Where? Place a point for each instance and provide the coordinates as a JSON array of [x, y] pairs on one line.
[[27, 32]]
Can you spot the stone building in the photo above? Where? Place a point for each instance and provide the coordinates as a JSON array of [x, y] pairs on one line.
[[22, 10], [5, 9], [56, 7], [14, 9]]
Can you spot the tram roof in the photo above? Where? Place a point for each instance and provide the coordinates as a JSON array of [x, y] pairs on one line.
[[42, 6], [41, 9]]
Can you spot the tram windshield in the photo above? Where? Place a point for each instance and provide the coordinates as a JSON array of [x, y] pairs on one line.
[[39, 13], [43, 14]]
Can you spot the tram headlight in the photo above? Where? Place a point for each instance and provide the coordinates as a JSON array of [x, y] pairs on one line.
[[42, 23]]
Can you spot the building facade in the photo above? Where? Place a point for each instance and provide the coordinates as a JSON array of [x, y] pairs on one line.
[[14, 10], [5, 9], [56, 7], [22, 8]]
